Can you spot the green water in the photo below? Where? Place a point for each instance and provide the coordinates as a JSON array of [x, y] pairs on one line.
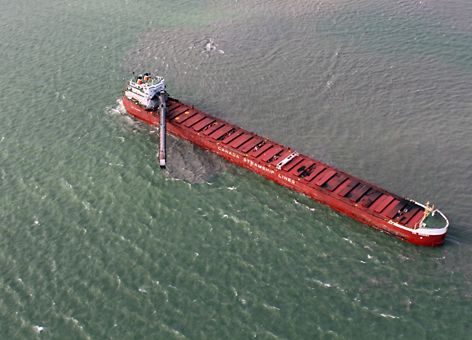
[[97, 243]]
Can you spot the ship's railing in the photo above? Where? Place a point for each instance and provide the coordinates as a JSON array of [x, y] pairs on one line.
[[428, 211], [149, 89]]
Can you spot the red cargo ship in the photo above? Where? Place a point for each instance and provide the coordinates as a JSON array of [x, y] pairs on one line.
[[405, 218]]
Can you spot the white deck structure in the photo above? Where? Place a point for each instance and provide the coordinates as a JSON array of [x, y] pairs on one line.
[[145, 90]]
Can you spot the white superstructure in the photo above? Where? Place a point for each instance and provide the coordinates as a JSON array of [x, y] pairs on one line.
[[145, 90]]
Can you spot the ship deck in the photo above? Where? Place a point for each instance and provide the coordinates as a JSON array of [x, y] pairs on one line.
[[301, 168]]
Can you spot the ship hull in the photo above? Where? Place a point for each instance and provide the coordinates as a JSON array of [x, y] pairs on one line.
[[282, 177]]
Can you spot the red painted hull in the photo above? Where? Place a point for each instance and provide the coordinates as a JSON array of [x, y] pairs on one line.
[[344, 193]]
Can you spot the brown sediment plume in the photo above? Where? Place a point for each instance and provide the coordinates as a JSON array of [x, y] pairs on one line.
[[191, 164]]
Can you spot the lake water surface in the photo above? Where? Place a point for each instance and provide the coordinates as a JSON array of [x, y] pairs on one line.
[[97, 243]]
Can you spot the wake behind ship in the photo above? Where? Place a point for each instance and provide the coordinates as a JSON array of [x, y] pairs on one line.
[[145, 99]]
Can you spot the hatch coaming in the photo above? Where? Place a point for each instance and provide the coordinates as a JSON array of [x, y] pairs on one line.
[[364, 210], [301, 170]]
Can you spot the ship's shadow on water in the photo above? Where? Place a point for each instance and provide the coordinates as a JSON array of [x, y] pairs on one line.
[[189, 163], [185, 161]]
